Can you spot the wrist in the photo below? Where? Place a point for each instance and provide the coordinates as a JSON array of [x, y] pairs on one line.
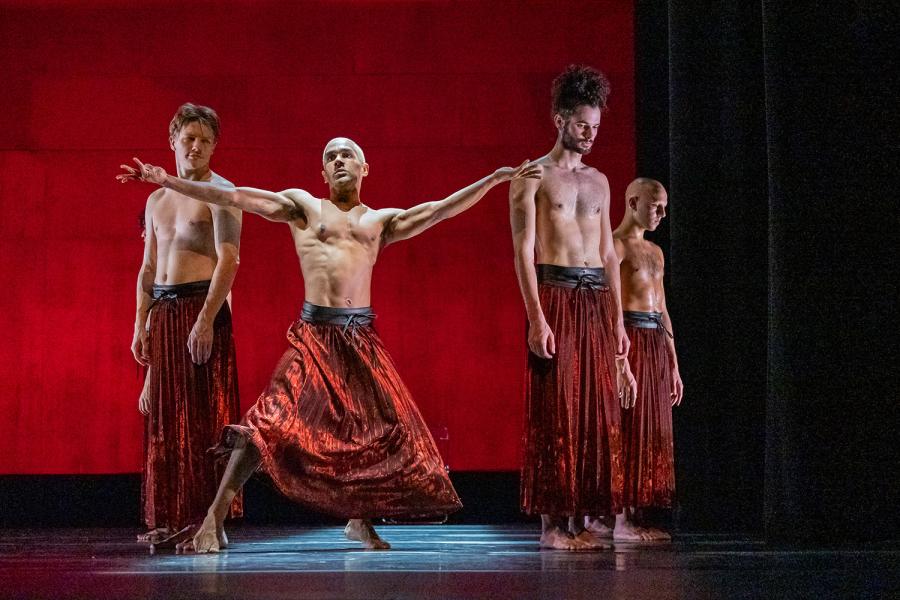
[[536, 319], [204, 319]]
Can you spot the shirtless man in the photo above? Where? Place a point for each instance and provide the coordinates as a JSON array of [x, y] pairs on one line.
[[190, 260], [573, 447], [647, 427], [336, 430]]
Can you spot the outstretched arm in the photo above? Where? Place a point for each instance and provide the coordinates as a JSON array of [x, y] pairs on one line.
[[404, 224], [522, 213], [274, 206]]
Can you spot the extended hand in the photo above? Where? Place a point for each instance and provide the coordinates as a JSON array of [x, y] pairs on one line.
[[144, 172], [677, 387], [523, 171], [200, 341], [541, 340]]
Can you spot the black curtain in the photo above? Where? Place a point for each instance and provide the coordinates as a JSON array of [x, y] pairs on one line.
[[778, 140]]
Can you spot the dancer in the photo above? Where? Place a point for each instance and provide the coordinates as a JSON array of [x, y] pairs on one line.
[[573, 446], [336, 430], [191, 391], [647, 428]]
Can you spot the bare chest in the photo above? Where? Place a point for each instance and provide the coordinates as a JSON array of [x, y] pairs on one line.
[[339, 227], [571, 195], [182, 218], [644, 261]]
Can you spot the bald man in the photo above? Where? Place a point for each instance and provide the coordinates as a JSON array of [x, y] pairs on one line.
[[647, 427], [336, 430]]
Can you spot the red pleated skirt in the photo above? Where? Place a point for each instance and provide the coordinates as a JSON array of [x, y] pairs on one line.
[[338, 431], [573, 448], [189, 405], [647, 428]]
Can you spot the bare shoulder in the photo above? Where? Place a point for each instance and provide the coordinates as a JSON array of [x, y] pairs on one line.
[[306, 203], [300, 196], [655, 249], [596, 175], [520, 189], [219, 180], [384, 215], [155, 196], [547, 168]]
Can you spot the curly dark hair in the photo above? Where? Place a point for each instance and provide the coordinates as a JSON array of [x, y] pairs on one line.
[[578, 85], [189, 113]]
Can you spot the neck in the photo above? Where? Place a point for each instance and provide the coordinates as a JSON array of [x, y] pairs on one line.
[[200, 174], [346, 199], [629, 227], [567, 159]]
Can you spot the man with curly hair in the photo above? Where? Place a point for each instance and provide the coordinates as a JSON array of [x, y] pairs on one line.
[[568, 274]]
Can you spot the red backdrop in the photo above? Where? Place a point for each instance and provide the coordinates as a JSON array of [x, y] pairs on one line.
[[437, 93]]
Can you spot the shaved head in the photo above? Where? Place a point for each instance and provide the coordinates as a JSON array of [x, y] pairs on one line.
[[642, 185], [342, 142], [645, 203]]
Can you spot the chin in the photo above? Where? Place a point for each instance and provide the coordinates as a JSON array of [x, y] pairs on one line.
[[578, 149]]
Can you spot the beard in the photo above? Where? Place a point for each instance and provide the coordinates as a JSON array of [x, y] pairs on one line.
[[571, 143]]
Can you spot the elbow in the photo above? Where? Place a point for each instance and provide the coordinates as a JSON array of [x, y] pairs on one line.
[[229, 257], [439, 213]]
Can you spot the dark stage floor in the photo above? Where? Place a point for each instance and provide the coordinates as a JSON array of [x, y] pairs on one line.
[[449, 561]]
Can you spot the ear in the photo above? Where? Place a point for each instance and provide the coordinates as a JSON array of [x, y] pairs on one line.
[[365, 169], [172, 143], [212, 147], [632, 202], [324, 177], [558, 121]]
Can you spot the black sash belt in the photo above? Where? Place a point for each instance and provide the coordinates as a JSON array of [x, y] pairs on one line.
[[589, 278], [644, 320], [350, 318], [179, 290]]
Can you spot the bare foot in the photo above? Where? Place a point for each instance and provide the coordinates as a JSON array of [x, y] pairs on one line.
[[627, 531], [210, 537], [598, 527], [590, 541], [557, 539], [361, 530], [658, 535], [153, 536]]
